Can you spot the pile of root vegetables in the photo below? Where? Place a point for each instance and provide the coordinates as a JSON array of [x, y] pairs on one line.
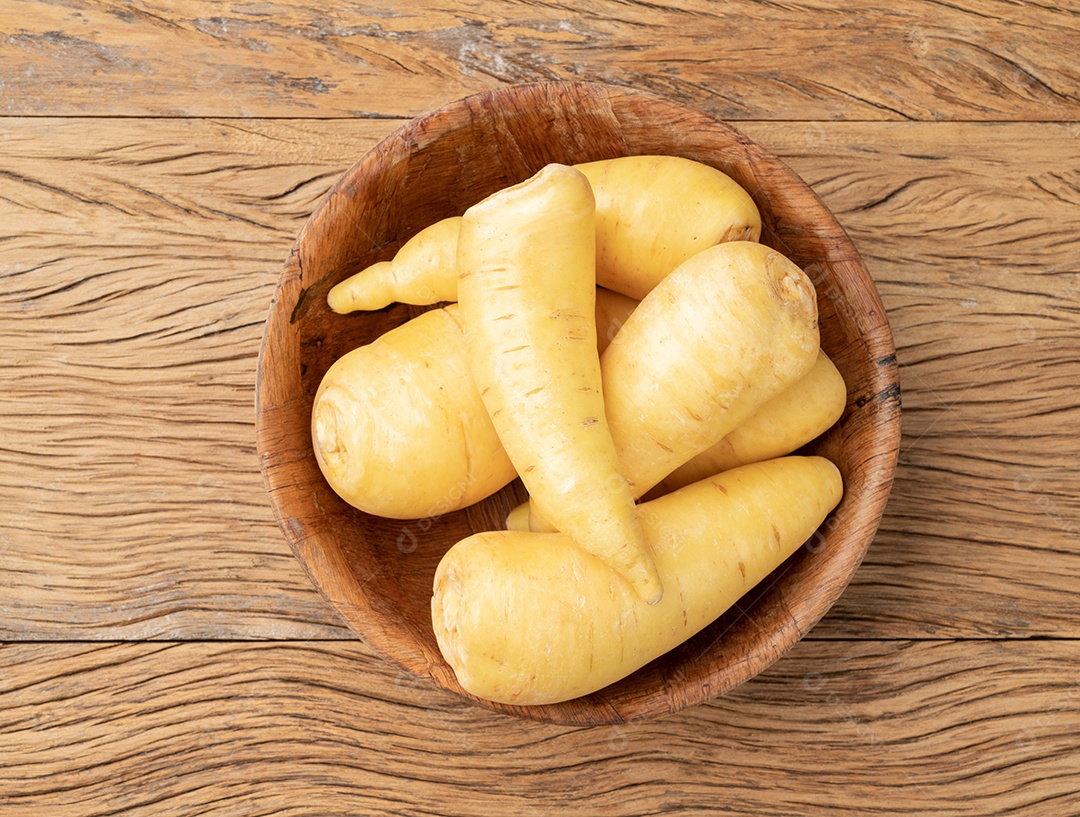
[[615, 336]]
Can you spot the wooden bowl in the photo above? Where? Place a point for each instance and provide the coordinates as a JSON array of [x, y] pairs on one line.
[[378, 572]]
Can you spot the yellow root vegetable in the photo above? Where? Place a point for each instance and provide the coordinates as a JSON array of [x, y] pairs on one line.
[[800, 413], [526, 288], [728, 330], [422, 272], [530, 618], [398, 426], [612, 310], [652, 213]]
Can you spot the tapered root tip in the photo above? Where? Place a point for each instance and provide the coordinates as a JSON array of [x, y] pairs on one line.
[[648, 585], [365, 291]]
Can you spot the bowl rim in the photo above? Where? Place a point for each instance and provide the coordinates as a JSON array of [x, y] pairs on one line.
[[323, 569]]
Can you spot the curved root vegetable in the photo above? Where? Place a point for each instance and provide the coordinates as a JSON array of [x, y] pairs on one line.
[[654, 212], [800, 413], [530, 618], [526, 288], [728, 330], [422, 272], [398, 426]]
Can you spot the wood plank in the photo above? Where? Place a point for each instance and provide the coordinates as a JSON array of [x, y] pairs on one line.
[[139, 262], [907, 728], [140, 257], [746, 59]]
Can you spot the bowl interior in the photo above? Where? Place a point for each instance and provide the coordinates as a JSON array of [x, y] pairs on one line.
[[378, 572]]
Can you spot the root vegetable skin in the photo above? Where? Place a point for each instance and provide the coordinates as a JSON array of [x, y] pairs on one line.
[[731, 328], [422, 272], [530, 618], [797, 415], [527, 292], [398, 426], [654, 212]]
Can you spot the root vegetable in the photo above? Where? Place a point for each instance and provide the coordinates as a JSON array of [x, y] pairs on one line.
[[728, 330], [799, 414], [398, 426], [422, 272], [526, 288], [652, 213], [530, 618], [518, 518]]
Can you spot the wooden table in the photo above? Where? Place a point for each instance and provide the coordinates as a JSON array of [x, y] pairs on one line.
[[163, 651]]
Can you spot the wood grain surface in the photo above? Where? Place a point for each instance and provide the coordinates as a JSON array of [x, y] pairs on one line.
[[839, 728], [164, 653], [746, 59]]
